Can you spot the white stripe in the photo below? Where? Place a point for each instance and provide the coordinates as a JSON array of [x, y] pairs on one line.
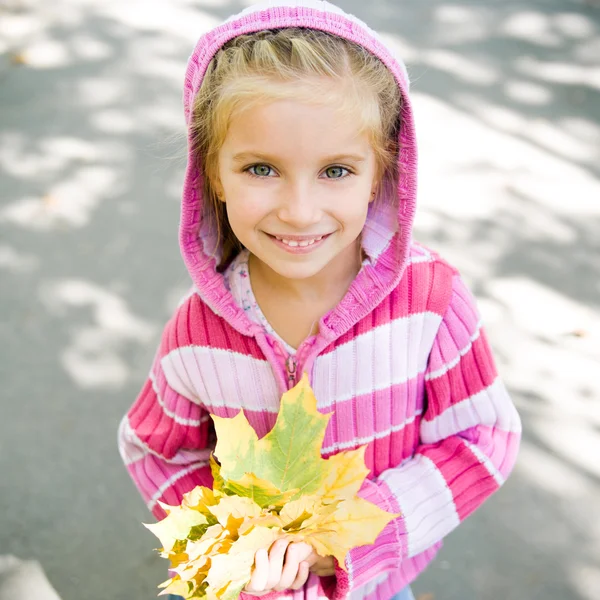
[[221, 378], [132, 449], [369, 438], [380, 228], [486, 462], [439, 372], [491, 407], [425, 500], [179, 420], [167, 484], [368, 588], [420, 259], [387, 355], [350, 570], [423, 256], [216, 378]]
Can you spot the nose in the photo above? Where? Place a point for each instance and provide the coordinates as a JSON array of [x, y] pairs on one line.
[[299, 206]]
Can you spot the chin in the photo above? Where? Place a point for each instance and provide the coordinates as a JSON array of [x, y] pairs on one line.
[[289, 270], [298, 272]]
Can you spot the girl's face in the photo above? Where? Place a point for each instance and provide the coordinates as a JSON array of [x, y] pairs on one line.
[[297, 179]]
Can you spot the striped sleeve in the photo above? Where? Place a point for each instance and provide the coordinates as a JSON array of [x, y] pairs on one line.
[[468, 443], [166, 438]]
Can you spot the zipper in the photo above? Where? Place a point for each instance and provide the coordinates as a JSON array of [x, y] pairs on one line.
[[292, 361], [291, 366]]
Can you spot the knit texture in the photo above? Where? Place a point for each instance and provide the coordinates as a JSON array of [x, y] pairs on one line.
[[386, 236], [415, 381], [402, 363]]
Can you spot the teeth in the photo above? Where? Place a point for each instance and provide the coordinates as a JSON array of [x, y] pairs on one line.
[[302, 244]]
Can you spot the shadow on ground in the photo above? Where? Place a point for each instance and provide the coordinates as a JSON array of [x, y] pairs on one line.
[[92, 156]]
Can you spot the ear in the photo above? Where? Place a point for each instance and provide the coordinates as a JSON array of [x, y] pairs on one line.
[[218, 188], [373, 193]]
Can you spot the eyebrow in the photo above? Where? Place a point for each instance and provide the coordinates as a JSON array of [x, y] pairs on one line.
[[244, 156]]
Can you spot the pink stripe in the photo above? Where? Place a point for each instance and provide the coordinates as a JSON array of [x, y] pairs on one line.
[[379, 412], [158, 430], [460, 324], [387, 552], [195, 324], [150, 474], [469, 481], [406, 300], [388, 549], [408, 571], [474, 372], [501, 447], [174, 402]]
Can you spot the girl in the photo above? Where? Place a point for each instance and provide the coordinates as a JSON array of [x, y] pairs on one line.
[[296, 221]]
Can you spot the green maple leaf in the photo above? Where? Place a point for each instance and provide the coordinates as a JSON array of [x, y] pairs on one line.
[[289, 456], [265, 489]]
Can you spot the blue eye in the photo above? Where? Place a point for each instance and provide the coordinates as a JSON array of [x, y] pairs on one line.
[[336, 172], [260, 170]]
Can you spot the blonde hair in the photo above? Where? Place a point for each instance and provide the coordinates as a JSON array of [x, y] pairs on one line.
[[297, 63]]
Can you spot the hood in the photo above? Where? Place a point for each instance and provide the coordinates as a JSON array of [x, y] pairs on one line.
[[387, 232]]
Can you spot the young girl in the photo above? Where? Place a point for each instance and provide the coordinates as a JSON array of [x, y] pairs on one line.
[[296, 221]]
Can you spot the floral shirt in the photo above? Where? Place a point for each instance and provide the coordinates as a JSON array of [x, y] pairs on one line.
[[237, 280]]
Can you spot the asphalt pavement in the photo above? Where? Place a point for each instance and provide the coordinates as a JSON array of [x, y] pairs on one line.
[[92, 153]]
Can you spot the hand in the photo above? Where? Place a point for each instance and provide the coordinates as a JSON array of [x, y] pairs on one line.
[[286, 566], [272, 575], [322, 566]]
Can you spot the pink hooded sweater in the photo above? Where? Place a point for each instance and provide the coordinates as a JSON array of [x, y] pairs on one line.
[[402, 363]]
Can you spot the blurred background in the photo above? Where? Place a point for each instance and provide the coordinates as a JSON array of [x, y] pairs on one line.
[[92, 150]]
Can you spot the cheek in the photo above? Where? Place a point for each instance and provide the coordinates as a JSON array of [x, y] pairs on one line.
[[352, 205], [246, 206]]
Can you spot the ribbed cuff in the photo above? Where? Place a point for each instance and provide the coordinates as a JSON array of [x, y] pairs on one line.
[[365, 563]]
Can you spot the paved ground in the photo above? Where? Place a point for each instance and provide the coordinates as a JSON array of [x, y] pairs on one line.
[[507, 99]]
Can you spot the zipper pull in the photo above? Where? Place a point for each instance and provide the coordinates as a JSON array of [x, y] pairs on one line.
[[291, 365]]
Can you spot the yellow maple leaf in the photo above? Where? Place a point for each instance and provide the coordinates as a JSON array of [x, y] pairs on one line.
[[345, 473], [234, 506], [176, 525], [201, 498], [264, 520], [265, 489], [235, 566], [208, 543], [176, 587], [353, 523]]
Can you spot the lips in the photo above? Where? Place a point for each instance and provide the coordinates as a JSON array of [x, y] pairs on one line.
[[302, 243], [299, 243]]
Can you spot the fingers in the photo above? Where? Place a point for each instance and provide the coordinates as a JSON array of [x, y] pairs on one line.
[[294, 557], [257, 584], [277, 556], [284, 566], [303, 572]]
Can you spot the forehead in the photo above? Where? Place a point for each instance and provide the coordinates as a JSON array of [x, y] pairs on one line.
[[296, 129]]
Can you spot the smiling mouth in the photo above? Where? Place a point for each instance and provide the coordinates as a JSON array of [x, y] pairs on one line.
[[301, 243]]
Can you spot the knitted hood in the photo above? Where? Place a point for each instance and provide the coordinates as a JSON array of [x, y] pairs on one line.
[[387, 232]]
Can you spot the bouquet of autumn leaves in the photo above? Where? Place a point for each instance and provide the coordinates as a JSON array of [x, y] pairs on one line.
[[265, 489]]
